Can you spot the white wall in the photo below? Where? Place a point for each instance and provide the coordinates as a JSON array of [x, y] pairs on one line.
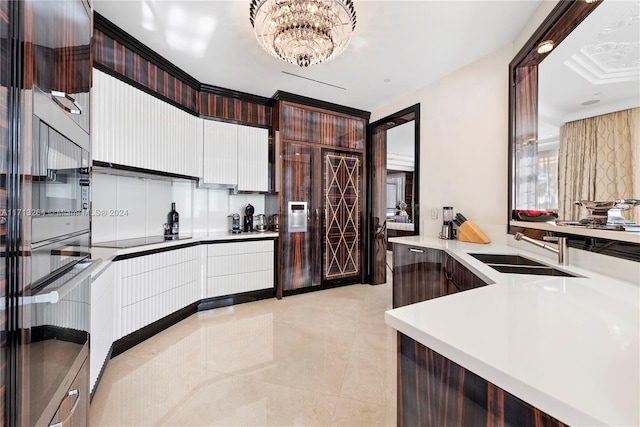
[[463, 141], [464, 122], [133, 207]]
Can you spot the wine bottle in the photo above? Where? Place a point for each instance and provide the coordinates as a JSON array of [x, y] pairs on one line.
[[173, 219]]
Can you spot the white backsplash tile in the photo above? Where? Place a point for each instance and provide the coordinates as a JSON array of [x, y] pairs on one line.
[[157, 206], [131, 197], [148, 202], [200, 210], [182, 194], [103, 198], [218, 210]]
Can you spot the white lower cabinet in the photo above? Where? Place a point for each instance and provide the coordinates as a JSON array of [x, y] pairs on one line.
[[153, 286], [102, 293], [133, 293], [238, 267]]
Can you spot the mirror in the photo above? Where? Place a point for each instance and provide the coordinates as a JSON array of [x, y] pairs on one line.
[[574, 112], [393, 153], [400, 172]]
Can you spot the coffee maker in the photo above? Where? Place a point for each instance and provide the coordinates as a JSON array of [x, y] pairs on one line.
[[234, 227], [248, 218], [447, 223]]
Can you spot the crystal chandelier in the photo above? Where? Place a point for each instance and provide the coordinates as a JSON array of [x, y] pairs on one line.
[[303, 32]]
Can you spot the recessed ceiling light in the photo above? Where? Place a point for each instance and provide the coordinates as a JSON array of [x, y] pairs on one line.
[[590, 1], [387, 80], [590, 102], [545, 46]]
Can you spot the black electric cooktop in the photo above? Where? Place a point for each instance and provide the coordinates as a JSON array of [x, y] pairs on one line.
[[140, 241]]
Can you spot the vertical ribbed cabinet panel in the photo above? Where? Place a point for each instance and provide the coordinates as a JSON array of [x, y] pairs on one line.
[[102, 321], [238, 267], [220, 159], [154, 286], [195, 157], [136, 129], [253, 170]]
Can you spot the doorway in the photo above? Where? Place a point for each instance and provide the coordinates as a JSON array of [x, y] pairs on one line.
[[394, 193]]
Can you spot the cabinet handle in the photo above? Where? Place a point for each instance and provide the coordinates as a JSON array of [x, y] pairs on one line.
[[75, 392], [420, 251], [57, 95]]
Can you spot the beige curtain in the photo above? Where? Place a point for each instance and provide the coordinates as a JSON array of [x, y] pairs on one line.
[[598, 160]]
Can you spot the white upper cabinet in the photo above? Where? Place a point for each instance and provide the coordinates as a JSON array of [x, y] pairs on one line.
[[133, 128], [236, 155], [220, 159], [253, 154]]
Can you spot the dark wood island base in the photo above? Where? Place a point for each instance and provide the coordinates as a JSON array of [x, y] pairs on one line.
[[436, 392]]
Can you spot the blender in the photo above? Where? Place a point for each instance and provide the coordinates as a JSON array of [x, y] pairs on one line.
[[447, 223]]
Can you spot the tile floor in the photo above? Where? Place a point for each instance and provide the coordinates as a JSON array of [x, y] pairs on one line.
[[319, 359]]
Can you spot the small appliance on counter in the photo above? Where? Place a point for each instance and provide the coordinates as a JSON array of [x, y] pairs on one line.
[[260, 222], [234, 226], [274, 222], [248, 218], [447, 223]]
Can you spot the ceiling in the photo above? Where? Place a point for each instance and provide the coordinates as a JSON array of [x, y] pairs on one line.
[[410, 43], [594, 71]]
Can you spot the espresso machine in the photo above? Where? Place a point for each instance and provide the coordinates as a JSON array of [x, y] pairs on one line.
[[248, 218], [234, 225], [447, 223]]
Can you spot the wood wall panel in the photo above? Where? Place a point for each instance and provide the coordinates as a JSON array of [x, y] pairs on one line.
[[213, 105], [122, 57], [114, 57], [307, 124]]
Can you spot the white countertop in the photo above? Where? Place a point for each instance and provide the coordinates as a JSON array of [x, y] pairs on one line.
[[568, 346]]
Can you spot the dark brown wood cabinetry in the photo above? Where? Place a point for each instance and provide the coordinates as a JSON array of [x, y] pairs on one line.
[[416, 274], [457, 277], [433, 391], [420, 274], [396, 233], [322, 165]]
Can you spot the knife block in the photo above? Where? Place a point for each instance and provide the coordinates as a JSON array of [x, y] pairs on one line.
[[469, 232]]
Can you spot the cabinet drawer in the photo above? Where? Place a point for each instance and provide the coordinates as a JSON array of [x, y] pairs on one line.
[[240, 263], [236, 248], [238, 283]]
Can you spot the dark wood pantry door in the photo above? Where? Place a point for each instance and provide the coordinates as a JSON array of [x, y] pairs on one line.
[[342, 228]]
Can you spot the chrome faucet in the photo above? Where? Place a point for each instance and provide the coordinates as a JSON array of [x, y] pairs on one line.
[[562, 249]]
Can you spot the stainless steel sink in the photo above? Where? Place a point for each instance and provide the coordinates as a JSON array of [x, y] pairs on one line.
[[507, 259], [516, 264], [530, 269]]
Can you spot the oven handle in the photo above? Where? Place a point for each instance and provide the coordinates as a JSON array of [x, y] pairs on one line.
[[55, 296], [75, 392]]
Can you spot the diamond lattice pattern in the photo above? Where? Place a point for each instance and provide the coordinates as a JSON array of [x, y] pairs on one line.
[[342, 216]]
